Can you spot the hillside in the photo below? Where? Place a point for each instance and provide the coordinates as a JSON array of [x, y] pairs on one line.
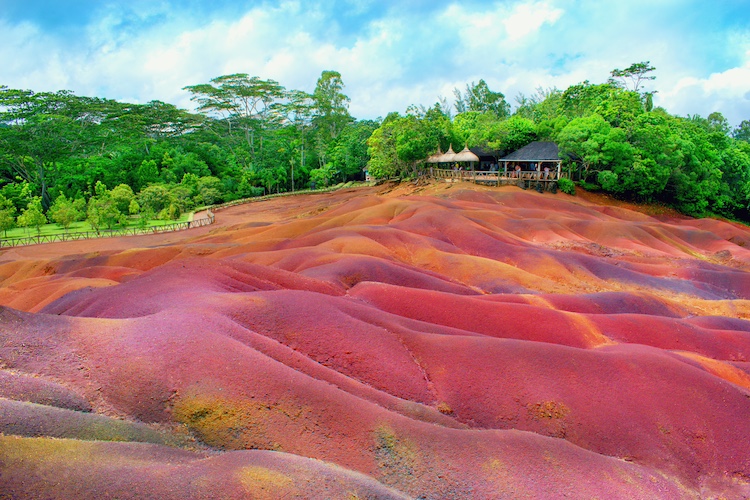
[[441, 341]]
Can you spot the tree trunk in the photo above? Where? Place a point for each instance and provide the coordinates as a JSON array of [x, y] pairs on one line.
[[43, 185]]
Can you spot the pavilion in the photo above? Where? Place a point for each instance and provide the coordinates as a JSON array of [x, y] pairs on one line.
[[535, 156]]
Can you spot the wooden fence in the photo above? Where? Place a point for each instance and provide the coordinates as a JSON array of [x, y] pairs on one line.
[[107, 233]]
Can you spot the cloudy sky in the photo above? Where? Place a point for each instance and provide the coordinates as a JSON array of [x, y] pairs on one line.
[[390, 53]]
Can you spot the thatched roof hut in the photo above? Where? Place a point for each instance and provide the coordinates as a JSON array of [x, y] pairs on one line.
[[466, 156], [448, 156], [435, 158]]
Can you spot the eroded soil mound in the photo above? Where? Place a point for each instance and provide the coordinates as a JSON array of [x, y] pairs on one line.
[[455, 342]]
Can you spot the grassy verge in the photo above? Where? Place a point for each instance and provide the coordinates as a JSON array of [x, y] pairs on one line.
[[133, 222], [84, 227]]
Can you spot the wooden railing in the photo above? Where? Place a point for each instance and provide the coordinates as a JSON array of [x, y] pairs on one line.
[[107, 233], [524, 177]]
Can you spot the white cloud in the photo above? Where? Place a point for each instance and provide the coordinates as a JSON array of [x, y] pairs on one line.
[[727, 92], [20, 44], [494, 33], [526, 19], [410, 55]]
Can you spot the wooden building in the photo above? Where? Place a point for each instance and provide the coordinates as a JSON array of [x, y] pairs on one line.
[[534, 157], [537, 165]]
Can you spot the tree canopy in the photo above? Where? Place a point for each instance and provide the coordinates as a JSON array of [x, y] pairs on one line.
[[65, 157]]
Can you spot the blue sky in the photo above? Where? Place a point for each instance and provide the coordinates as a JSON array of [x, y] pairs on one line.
[[390, 53]]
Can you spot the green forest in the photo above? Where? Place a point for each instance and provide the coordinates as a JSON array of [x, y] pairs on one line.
[[66, 158]]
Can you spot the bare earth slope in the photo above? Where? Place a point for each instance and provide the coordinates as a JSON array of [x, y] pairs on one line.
[[392, 342]]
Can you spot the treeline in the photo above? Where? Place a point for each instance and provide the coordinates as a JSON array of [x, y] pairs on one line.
[[610, 136], [68, 157]]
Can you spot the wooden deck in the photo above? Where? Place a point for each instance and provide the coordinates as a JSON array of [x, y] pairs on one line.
[[525, 179]]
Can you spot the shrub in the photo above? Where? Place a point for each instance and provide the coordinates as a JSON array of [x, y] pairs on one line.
[[589, 186], [171, 212], [609, 181], [566, 186]]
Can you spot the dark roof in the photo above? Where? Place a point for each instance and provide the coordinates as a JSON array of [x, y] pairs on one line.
[[536, 151], [486, 154]]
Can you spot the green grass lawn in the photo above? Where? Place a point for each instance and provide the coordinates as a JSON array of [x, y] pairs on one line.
[[83, 227], [132, 223]]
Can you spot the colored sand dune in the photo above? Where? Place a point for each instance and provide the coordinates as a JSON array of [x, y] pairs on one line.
[[455, 342]]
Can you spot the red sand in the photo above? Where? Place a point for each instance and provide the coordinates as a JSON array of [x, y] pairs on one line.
[[443, 342]]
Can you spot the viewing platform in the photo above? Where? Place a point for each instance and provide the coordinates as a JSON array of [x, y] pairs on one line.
[[537, 165], [526, 179]]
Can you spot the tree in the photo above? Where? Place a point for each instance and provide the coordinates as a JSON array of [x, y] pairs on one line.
[[147, 173], [297, 112], [273, 178], [103, 209], [735, 185], [696, 182], [330, 112], [122, 195], [397, 147], [620, 107], [718, 123], [632, 77], [742, 132], [154, 198], [33, 216], [513, 134], [7, 214], [158, 120], [582, 140], [444, 106], [19, 193], [241, 101], [348, 152], [479, 97], [651, 159], [542, 105], [381, 147], [331, 105], [208, 190], [133, 208], [321, 177], [38, 130], [583, 99], [64, 212], [473, 128]]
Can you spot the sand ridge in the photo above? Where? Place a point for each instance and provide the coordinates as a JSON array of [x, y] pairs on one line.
[[436, 341]]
